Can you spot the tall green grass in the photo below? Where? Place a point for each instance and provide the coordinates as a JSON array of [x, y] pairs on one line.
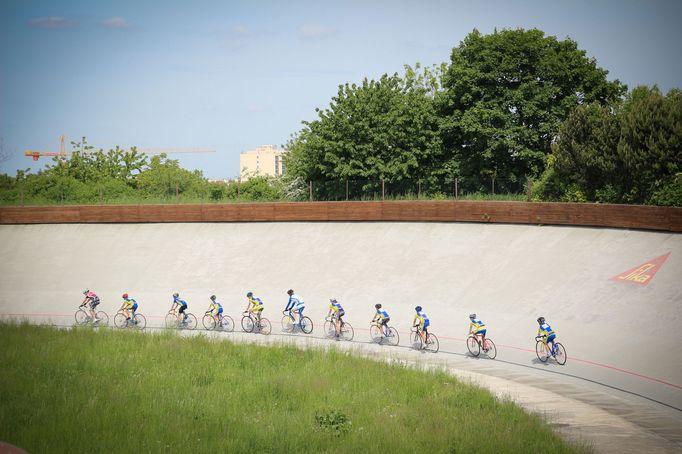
[[101, 391]]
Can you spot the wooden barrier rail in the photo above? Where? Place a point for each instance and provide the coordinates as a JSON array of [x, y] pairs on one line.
[[579, 214]]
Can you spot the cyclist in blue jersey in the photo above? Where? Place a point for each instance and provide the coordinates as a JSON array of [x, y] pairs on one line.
[[421, 322], [129, 306], [295, 305], [216, 310], [477, 328], [255, 306], [546, 334], [336, 312], [181, 305], [382, 316]]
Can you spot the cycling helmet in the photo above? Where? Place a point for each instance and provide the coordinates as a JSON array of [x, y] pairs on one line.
[[541, 320], [377, 305], [212, 297], [250, 294], [176, 295], [124, 296], [472, 315], [332, 300], [86, 291], [290, 292], [418, 308]]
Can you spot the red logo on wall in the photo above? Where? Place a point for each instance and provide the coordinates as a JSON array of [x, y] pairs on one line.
[[643, 273]]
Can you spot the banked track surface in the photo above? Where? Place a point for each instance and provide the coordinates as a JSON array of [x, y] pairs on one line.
[[620, 336]]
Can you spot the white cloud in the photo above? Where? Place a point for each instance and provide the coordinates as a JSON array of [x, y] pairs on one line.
[[240, 30], [52, 22], [115, 22], [315, 31]]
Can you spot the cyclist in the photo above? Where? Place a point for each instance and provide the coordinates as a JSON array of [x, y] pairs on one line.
[[255, 306], [546, 334], [477, 328], [382, 316], [129, 305], [182, 307], [336, 311], [216, 310], [295, 305], [421, 322], [93, 299]]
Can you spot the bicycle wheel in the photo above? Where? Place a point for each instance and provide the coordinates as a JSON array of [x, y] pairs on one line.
[[81, 317], [265, 326], [432, 343], [472, 346], [208, 322], [120, 320], [247, 324], [560, 354], [375, 334], [393, 337], [171, 321], [347, 332], [416, 340], [140, 321], [287, 324], [541, 351], [329, 329], [491, 348], [103, 319], [306, 325], [190, 322], [228, 323]]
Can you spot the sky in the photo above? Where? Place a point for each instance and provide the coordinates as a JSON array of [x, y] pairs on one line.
[[233, 75]]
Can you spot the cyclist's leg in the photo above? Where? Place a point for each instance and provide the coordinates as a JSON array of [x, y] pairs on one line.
[[134, 310], [482, 334], [300, 315], [384, 326], [550, 340]]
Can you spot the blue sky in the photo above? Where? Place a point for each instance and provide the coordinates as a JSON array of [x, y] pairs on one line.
[[233, 75]]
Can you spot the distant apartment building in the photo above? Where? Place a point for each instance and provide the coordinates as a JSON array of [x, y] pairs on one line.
[[264, 160]]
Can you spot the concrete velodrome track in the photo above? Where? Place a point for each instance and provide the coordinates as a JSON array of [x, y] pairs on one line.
[[621, 388]]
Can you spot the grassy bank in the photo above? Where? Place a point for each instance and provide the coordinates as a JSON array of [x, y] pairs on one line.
[[96, 391]]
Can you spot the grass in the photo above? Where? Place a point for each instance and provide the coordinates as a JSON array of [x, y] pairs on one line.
[[85, 390]]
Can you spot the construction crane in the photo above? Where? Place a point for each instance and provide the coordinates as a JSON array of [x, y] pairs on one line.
[[62, 151], [37, 154]]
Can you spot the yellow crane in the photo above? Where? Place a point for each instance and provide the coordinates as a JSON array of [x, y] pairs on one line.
[[62, 151]]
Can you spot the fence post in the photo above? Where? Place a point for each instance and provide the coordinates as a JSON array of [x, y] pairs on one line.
[[177, 193], [346, 189], [310, 189], [456, 188], [492, 180], [529, 189], [101, 197], [239, 187], [383, 190], [419, 189], [21, 196]]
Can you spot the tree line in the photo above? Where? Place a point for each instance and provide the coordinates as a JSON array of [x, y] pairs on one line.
[[514, 111]]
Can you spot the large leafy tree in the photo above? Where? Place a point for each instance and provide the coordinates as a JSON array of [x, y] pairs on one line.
[[384, 128], [504, 97]]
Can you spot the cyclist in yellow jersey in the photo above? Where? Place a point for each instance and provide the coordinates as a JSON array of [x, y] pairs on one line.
[[477, 328], [421, 322], [215, 309], [336, 311], [129, 306], [255, 306]]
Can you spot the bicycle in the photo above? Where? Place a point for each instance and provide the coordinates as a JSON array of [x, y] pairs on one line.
[[558, 352], [250, 324], [432, 344], [346, 333], [289, 323], [377, 334], [137, 321], [226, 323], [189, 322], [474, 346], [83, 317]]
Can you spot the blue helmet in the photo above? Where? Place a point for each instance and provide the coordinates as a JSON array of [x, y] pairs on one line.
[[250, 294], [418, 308]]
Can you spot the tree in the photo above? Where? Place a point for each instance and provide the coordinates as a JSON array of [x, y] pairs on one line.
[[504, 97], [380, 129]]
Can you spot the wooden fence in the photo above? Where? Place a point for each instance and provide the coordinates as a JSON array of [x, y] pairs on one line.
[[578, 214]]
